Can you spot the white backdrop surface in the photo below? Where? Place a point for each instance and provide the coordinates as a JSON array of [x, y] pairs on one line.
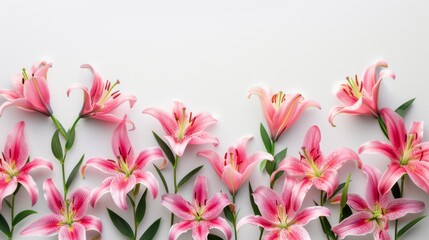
[[208, 53]]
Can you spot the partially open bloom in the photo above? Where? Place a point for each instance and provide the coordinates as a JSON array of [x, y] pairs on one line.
[[30, 90], [182, 127], [374, 214], [201, 215], [281, 214], [360, 97], [14, 168], [235, 166], [313, 167], [281, 110], [408, 154], [102, 99], [127, 171], [68, 219]]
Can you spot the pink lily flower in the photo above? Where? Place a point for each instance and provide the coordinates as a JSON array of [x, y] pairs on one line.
[[14, 168], [183, 128], [101, 100], [31, 92], [235, 166], [127, 170], [313, 167], [361, 97], [408, 154], [281, 110], [374, 214], [201, 215], [281, 215], [68, 219]]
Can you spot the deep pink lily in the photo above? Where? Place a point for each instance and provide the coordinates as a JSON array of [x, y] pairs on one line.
[[30, 92], [313, 167], [281, 110], [183, 128], [101, 100], [68, 219], [14, 168], [408, 154], [235, 166], [281, 215], [374, 214], [201, 215], [361, 97], [127, 171]]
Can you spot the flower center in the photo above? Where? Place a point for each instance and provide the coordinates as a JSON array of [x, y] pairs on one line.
[[408, 152], [282, 216], [277, 99], [107, 93], [10, 170], [123, 165], [200, 208], [311, 157], [183, 122], [377, 215], [233, 158], [354, 87], [68, 214]]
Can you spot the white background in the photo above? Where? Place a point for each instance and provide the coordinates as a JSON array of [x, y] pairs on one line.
[[208, 53]]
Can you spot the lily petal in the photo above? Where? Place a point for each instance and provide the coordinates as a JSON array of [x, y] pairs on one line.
[[338, 157], [380, 147], [28, 183], [87, 107], [311, 213], [167, 121], [149, 180], [357, 224], [231, 178], [200, 191], [98, 192], [47, 225], [16, 148], [147, 156], [400, 207], [91, 223], [36, 163], [100, 163], [119, 187], [390, 177], [177, 229], [214, 159], [7, 187], [257, 221], [215, 206], [418, 172], [75, 232], [79, 200], [53, 197], [36, 91], [121, 144], [222, 225], [178, 206], [395, 127], [295, 233], [267, 201]]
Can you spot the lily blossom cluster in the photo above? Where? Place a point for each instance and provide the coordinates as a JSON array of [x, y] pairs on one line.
[[235, 166], [281, 214], [360, 97], [199, 216], [30, 90], [68, 218], [182, 127], [127, 170], [281, 110], [102, 99], [407, 152], [313, 167], [374, 214], [14, 167]]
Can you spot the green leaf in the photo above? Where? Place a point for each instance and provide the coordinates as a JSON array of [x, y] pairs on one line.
[[151, 231], [396, 191], [188, 176], [74, 172], [213, 237], [7, 203], [340, 186], [167, 151], [56, 148], [252, 201], [277, 176], [401, 110], [273, 165], [347, 211], [266, 138], [383, 126], [263, 165], [141, 208], [326, 226], [131, 200], [344, 195], [70, 140], [4, 227], [21, 216], [162, 178], [121, 224], [408, 226], [228, 214]]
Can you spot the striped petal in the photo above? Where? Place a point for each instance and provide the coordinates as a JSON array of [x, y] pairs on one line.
[[98, 192], [400, 207], [28, 183], [390, 177], [119, 188], [178, 206], [311, 213], [257, 221], [149, 180], [53, 197], [47, 225], [177, 229], [215, 206], [74, 232], [357, 224]]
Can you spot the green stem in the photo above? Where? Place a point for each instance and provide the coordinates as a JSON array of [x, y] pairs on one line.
[[261, 232], [75, 122], [401, 194], [272, 153], [176, 189], [12, 215], [134, 214], [234, 214], [59, 127], [321, 198]]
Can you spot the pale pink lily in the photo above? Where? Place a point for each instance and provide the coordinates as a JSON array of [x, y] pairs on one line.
[[281, 110], [101, 100], [201, 215], [361, 97], [314, 167], [127, 171], [68, 219], [408, 154], [30, 91], [281, 214], [235, 166], [14, 168], [374, 214], [183, 128]]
